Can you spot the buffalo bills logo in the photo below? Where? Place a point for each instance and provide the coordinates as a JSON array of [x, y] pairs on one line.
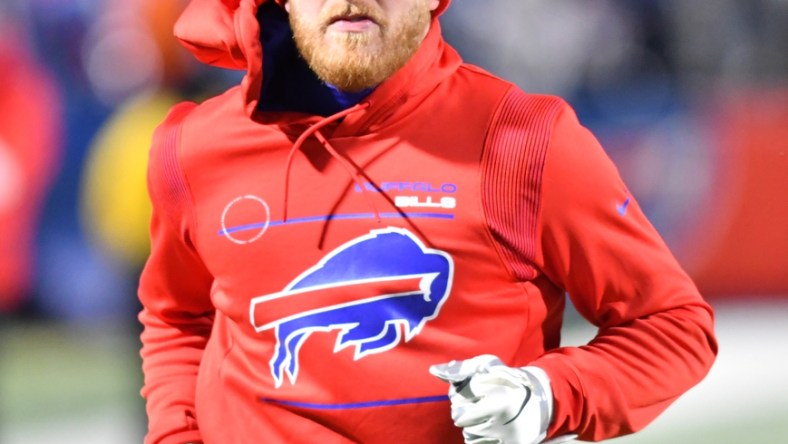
[[371, 290]]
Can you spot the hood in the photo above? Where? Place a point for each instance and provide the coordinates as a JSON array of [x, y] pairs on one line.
[[226, 34]]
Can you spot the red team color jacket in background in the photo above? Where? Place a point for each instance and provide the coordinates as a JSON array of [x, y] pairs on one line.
[[306, 271]]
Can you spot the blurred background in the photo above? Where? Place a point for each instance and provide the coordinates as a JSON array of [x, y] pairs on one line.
[[690, 99]]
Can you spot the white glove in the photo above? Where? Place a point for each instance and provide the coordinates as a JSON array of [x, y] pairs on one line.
[[496, 404]]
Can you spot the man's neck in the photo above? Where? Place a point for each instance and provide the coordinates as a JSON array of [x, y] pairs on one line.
[[345, 99]]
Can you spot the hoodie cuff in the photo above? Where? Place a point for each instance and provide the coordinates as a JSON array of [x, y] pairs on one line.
[[568, 394]]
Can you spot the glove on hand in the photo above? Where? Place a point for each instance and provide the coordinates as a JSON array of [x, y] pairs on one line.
[[497, 404]]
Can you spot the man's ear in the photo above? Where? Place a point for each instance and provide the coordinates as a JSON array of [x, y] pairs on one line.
[[287, 6], [434, 4]]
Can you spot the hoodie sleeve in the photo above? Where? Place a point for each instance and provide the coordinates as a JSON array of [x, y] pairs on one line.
[[174, 290], [655, 337]]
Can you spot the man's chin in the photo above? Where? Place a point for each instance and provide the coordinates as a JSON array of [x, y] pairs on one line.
[[355, 44], [351, 79]]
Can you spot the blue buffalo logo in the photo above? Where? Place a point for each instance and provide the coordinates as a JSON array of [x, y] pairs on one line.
[[371, 290]]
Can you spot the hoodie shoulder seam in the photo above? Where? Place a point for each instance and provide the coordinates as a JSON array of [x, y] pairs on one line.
[[512, 168], [168, 182]]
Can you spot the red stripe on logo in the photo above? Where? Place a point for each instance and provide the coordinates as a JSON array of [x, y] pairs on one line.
[[270, 310]]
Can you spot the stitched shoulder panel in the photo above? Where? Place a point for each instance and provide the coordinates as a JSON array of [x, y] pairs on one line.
[[166, 182], [512, 167]]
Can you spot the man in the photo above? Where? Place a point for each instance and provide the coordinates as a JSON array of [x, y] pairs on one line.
[[366, 212]]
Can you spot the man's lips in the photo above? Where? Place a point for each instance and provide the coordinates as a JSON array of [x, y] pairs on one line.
[[351, 23]]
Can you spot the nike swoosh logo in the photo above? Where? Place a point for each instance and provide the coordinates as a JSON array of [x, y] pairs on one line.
[[525, 401], [622, 208]]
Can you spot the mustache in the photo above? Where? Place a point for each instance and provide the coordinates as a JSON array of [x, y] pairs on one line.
[[354, 9]]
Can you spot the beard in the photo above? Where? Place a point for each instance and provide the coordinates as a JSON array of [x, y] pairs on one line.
[[354, 61]]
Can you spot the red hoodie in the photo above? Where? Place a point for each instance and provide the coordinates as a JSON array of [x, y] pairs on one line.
[[305, 272]]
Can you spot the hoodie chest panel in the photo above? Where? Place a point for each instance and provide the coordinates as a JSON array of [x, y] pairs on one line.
[[332, 286], [415, 180], [333, 264]]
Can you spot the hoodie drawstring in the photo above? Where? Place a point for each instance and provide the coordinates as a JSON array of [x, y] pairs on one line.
[[346, 164]]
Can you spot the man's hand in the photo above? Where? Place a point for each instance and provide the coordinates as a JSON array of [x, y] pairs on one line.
[[496, 404]]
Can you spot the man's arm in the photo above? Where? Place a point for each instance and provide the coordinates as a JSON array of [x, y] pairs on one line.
[[655, 337], [563, 212], [174, 289]]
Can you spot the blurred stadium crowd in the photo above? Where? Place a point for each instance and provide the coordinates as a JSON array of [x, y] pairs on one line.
[[689, 98]]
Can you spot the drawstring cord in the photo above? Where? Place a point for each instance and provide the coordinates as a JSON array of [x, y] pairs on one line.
[[315, 130], [351, 170]]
